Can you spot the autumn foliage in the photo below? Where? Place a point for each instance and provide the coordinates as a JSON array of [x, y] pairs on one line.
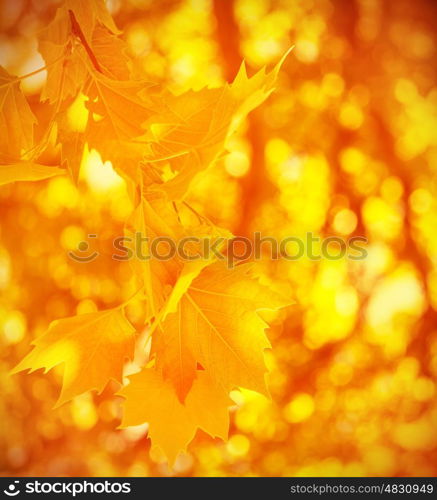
[[207, 337], [154, 118]]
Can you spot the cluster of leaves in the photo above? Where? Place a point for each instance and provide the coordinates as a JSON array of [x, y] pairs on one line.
[[206, 335]]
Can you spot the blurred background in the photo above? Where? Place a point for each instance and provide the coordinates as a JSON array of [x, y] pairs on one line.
[[346, 146]]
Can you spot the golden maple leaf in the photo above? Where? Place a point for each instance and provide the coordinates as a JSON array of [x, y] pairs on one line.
[[189, 131], [16, 119], [66, 71], [27, 171], [172, 425], [89, 13], [110, 52], [79, 42], [207, 335], [93, 346], [213, 320], [156, 218]]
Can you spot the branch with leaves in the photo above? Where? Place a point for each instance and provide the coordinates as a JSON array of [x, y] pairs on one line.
[[207, 337]]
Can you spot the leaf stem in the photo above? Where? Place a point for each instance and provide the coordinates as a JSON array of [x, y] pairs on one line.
[[32, 73], [126, 302], [77, 30]]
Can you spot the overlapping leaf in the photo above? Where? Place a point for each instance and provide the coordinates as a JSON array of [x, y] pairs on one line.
[[83, 53], [66, 71]]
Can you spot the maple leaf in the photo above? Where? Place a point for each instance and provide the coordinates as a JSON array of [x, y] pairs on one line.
[[73, 53], [27, 171], [213, 320], [110, 52], [189, 131], [81, 39], [172, 425], [155, 218], [72, 144], [16, 119], [120, 112], [89, 13], [66, 71], [80, 30], [93, 347]]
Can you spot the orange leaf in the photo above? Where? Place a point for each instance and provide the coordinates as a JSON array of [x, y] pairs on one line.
[[156, 218], [27, 171], [16, 119], [216, 325], [173, 425], [93, 347], [189, 131]]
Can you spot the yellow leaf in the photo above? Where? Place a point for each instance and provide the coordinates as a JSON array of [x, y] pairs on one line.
[[93, 347], [16, 119], [189, 131], [66, 71], [156, 218], [252, 92], [216, 325], [207, 336], [117, 113], [173, 425], [72, 152], [80, 29], [27, 171], [110, 53], [89, 13], [71, 123]]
